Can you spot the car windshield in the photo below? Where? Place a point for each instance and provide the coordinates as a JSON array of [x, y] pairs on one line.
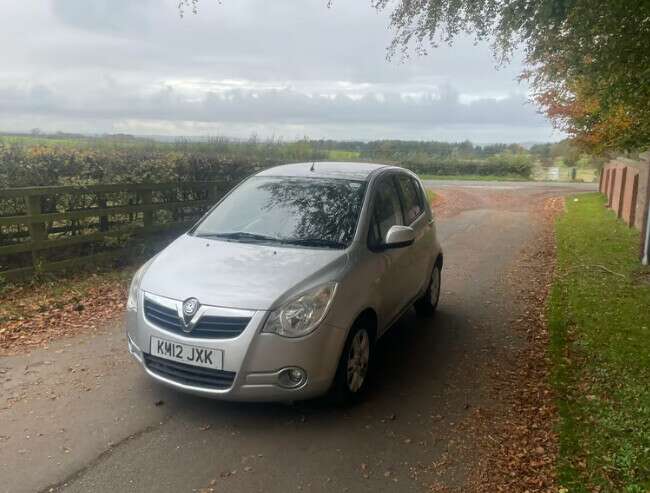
[[300, 211]]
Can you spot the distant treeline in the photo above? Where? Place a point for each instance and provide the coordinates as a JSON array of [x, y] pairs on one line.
[[403, 148], [61, 159]]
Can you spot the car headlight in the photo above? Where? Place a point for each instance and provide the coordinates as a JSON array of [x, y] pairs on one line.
[[132, 301], [302, 314]]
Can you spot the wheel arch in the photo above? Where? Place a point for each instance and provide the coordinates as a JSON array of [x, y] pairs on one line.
[[368, 317]]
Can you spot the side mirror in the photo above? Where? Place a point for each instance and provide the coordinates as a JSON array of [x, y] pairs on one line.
[[399, 236]]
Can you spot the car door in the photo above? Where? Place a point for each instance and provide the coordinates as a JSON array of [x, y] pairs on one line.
[[419, 260], [390, 281]]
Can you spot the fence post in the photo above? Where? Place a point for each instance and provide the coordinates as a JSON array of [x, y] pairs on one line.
[[102, 204], [601, 181], [633, 199], [621, 196], [213, 193], [37, 230], [147, 215], [610, 193]]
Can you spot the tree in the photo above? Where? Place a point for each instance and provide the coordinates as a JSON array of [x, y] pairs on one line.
[[192, 5], [565, 152], [587, 60]]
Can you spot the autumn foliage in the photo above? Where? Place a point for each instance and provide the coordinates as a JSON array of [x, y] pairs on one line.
[[587, 60]]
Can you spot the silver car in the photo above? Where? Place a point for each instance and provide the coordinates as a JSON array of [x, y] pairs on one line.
[[282, 289]]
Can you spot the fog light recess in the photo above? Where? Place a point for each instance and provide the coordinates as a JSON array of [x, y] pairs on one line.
[[134, 349], [291, 378]]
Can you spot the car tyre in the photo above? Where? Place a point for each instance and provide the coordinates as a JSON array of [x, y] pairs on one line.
[[351, 377], [426, 305]]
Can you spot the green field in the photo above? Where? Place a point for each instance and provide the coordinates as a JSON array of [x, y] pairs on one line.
[[599, 317], [336, 155], [474, 177]]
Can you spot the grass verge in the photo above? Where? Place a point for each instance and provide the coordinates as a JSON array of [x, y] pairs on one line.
[[599, 320]]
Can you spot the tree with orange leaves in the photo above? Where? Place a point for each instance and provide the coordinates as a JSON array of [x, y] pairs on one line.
[[588, 61]]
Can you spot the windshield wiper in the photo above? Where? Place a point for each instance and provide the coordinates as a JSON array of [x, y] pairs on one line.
[[243, 235], [240, 235], [315, 242]]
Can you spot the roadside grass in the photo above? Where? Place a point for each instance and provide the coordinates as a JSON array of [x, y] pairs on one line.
[[599, 320], [475, 177], [338, 155]]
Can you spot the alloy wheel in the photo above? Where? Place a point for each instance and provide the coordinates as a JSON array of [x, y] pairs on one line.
[[435, 286], [358, 358]]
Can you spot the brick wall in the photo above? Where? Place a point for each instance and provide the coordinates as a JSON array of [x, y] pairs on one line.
[[626, 183]]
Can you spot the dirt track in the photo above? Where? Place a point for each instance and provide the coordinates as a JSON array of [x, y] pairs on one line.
[[82, 416]]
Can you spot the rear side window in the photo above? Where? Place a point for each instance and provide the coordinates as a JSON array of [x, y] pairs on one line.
[[413, 205], [387, 211]]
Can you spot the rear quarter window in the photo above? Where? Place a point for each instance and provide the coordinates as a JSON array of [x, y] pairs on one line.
[[412, 198], [386, 212]]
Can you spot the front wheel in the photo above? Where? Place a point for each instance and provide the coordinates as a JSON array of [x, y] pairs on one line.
[[352, 372], [427, 304]]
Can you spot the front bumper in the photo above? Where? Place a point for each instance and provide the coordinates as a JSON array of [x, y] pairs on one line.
[[256, 358]]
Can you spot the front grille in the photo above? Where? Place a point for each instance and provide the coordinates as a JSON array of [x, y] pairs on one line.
[[162, 316], [208, 327], [220, 327], [190, 375]]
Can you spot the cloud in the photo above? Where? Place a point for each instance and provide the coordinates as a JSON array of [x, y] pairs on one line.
[[285, 66], [282, 106], [116, 16]]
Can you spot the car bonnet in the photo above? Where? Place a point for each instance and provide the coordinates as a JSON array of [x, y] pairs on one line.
[[232, 274]]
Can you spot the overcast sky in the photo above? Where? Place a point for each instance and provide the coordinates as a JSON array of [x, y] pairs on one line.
[[284, 68]]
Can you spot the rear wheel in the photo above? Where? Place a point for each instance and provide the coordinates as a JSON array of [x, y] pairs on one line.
[[427, 304], [352, 372]]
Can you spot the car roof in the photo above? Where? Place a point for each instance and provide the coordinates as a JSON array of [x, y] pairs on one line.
[[325, 169]]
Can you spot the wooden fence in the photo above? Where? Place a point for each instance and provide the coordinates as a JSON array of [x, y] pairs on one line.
[[52, 228]]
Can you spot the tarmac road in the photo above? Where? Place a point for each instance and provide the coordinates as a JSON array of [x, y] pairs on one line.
[[81, 416]]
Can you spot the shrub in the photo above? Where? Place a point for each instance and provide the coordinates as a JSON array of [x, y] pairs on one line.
[[504, 164]]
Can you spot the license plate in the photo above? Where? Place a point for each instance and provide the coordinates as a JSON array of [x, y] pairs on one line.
[[186, 353]]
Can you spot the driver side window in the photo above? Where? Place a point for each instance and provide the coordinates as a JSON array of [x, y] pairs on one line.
[[386, 211]]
